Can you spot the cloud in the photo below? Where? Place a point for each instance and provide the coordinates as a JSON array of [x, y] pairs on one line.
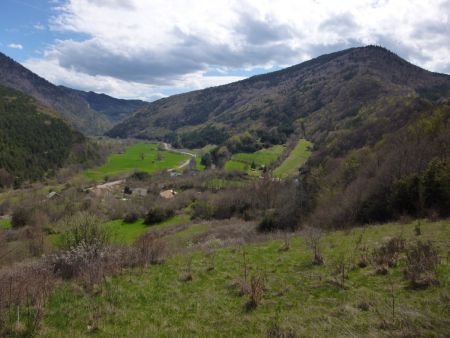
[[39, 26], [15, 46], [159, 46], [53, 72]]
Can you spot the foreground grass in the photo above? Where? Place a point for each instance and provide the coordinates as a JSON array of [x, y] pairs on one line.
[[298, 156], [132, 160], [298, 295]]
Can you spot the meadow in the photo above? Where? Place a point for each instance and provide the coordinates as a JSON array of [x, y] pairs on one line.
[[138, 157], [298, 298], [5, 223], [297, 157], [243, 161]]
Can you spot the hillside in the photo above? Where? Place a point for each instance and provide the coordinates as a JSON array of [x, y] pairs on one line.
[[33, 142], [323, 95], [379, 126], [88, 112]]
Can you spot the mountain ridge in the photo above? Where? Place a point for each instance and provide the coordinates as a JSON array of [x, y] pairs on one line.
[[75, 106], [284, 97]]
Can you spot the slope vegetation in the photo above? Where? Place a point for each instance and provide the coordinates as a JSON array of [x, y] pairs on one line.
[[33, 141], [90, 113]]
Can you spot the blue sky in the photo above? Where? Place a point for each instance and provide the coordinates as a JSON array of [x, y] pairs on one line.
[[151, 49]]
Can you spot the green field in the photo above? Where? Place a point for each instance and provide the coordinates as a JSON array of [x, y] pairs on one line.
[[298, 297], [5, 223], [126, 233], [243, 161], [131, 161], [298, 156]]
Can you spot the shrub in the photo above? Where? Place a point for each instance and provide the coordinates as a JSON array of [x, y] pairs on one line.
[[149, 250], [421, 263], [202, 209], [157, 215], [386, 256], [21, 217], [131, 217], [313, 238], [84, 229], [256, 289]]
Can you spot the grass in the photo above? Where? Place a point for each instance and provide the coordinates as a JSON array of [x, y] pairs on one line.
[[219, 183], [131, 161], [5, 223], [298, 295], [243, 161], [127, 233], [298, 156]]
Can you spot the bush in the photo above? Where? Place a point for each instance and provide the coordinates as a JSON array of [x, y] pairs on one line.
[[421, 263], [84, 229], [158, 215], [386, 256], [149, 250], [21, 217], [131, 218]]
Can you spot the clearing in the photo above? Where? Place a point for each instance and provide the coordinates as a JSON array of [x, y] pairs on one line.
[[298, 156], [138, 157], [243, 161]]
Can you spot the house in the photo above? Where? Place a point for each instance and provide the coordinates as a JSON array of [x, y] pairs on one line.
[[167, 193]]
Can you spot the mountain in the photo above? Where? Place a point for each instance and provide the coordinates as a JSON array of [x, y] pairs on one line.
[[333, 93], [379, 125], [33, 140], [88, 112], [114, 109]]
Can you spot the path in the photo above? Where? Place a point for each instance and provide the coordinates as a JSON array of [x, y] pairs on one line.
[[168, 147]]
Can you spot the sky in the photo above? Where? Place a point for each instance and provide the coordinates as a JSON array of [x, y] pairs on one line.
[[149, 49]]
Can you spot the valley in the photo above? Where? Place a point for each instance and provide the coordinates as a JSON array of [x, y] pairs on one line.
[[307, 202]]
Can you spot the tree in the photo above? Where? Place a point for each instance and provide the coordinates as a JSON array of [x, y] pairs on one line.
[[206, 160]]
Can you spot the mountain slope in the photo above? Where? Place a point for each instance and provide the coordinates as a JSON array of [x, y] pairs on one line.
[[88, 112], [319, 96], [114, 109], [33, 141]]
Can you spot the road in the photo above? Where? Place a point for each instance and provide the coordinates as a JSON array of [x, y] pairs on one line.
[[168, 147]]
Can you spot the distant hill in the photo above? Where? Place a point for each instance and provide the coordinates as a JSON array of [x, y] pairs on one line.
[[33, 141], [341, 91], [90, 113]]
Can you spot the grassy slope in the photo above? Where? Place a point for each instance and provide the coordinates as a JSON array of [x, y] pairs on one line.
[[131, 161], [5, 223], [295, 160], [243, 161], [123, 233], [298, 295]]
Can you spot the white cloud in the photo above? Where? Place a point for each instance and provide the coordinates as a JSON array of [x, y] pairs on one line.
[[39, 26], [135, 48], [15, 46], [120, 88]]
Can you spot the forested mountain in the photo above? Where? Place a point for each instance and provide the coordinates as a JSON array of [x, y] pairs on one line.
[[114, 109], [88, 112], [33, 142], [380, 127], [335, 93]]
